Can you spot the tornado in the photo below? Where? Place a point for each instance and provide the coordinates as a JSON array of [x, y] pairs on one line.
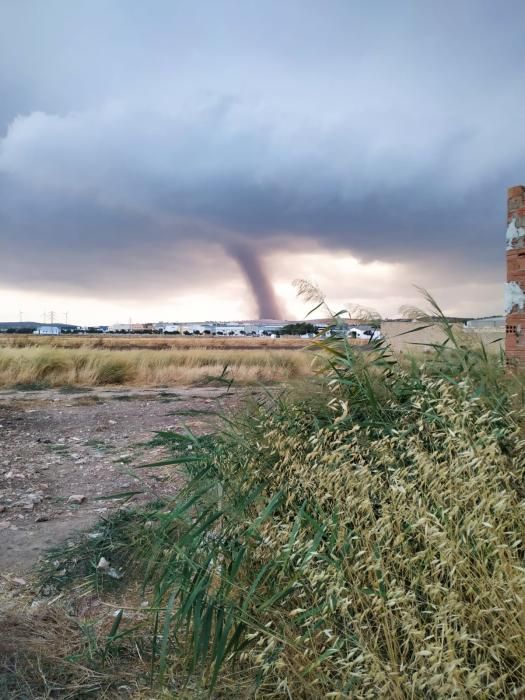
[[248, 260]]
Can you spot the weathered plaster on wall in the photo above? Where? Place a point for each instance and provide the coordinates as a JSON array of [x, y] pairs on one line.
[[514, 297], [515, 235]]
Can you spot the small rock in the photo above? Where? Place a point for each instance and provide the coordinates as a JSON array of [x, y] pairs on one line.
[[20, 581], [114, 573], [112, 422], [4, 524], [76, 498], [103, 564], [36, 497], [41, 518]]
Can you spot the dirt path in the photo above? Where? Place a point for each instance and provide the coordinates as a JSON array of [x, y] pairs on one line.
[[57, 445]]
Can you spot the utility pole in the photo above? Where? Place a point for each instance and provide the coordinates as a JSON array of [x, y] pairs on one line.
[[44, 316], [130, 325], [65, 314], [51, 317]]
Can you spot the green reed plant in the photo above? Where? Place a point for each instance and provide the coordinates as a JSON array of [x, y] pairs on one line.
[[367, 542]]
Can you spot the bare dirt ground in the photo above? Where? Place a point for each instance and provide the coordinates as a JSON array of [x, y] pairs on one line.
[[62, 451]]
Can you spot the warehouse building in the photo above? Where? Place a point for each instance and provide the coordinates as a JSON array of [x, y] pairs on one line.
[[48, 330]]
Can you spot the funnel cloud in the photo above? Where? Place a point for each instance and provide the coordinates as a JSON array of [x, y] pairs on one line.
[[252, 267]]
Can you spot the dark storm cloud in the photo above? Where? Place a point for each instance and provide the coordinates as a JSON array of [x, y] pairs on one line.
[[128, 134]]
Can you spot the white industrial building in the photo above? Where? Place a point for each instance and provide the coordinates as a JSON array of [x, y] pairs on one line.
[[167, 327], [250, 328], [229, 329], [47, 330], [364, 333], [186, 328], [253, 328], [492, 322], [257, 328], [361, 332], [121, 328]]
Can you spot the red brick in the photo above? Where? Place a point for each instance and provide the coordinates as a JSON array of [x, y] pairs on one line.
[[515, 323]]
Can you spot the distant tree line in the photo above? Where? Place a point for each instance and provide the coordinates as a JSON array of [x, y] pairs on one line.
[[17, 330], [298, 329]]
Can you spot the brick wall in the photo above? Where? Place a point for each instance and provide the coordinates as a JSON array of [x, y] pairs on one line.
[[515, 288]]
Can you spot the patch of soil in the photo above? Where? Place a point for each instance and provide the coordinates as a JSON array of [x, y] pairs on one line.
[[56, 445]]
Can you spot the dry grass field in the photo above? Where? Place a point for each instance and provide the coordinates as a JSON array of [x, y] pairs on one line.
[[414, 337], [50, 366], [149, 361], [98, 360], [151, 342]]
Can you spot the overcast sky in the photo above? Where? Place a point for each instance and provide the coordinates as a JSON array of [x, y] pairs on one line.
[[188, 160]]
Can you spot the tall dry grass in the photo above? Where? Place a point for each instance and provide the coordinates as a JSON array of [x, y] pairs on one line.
[[91, 367]]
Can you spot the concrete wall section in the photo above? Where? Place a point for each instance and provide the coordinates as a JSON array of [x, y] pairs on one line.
[[515, 287]]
